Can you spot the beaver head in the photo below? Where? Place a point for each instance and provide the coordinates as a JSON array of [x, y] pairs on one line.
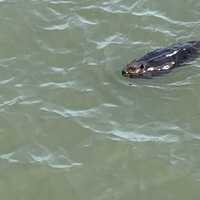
[[137, 70]]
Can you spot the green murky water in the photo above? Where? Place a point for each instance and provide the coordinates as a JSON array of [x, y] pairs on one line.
[[71, 127]]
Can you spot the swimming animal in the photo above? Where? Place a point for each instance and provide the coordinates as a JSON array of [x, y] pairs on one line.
[[162, 60]]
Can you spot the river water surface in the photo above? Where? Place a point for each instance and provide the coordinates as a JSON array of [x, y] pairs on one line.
[[71, 127]]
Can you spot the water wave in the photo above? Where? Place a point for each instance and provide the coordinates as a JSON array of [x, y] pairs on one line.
[[139, 137], [41, 155], [71, 21]]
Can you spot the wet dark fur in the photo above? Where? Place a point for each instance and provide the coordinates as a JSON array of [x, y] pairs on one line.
[[162, 60]]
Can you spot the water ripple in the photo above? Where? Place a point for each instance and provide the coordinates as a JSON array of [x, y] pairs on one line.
[[58, 27], [68, 84], [114, 7], [46, 47], [159, 29], [138, 137], [157, 14], [71, 21], [6, 81], [12, 101], [38, 154], [132, 136], [72, 113], [117, 38], [5, 62], [61, 2]]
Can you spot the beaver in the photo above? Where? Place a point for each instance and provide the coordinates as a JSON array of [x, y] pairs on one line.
[[162, 60]]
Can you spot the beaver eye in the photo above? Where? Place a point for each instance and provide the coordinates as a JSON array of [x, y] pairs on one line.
[[141, 66]]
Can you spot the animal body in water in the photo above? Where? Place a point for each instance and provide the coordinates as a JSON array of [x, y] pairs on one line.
[[162, 60]]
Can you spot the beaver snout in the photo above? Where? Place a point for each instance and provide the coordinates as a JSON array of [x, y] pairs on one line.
[[124, 73]]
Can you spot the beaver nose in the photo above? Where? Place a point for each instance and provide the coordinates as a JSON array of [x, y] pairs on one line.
[[124, 73]]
